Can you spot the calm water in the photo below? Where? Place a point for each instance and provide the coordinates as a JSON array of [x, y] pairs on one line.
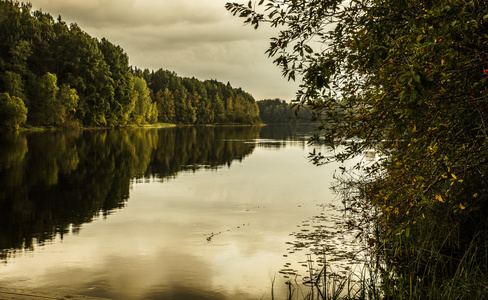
[[179, 213]]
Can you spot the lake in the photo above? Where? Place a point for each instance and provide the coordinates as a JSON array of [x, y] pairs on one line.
[[172, 213]]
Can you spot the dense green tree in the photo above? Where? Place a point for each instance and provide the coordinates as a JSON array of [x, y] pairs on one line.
[[20, 52], [152, 114], [278, 111], [142, 101], [160, 80], [13, 84], [194, 100], [17, 34], [229, 109], [85, 70], [12, 112], [204, 113], [44, 106], [118, 63], [219, 109], [42, 38], [198, 102], [94, 77], [50, 104], [245, 108], [33, 44], [67, 99], [182, 108], [166, 106], [408, 78]]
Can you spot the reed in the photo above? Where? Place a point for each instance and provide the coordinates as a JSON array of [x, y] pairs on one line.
[[381, 277]]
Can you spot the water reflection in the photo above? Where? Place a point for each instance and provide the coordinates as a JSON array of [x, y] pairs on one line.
[[280, 135], [207, 211], [53, 182]]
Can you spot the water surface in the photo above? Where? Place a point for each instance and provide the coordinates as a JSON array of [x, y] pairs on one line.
[[177, 213]]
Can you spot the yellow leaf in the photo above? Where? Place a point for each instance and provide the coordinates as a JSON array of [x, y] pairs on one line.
[[442, 62], [461, 206], [453, 176], [439, 197], [475, 195]]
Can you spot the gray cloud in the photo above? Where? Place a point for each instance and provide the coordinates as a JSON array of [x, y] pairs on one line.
[[191, 37]]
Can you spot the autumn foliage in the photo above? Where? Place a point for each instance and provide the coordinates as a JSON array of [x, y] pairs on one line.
[[409, 79]]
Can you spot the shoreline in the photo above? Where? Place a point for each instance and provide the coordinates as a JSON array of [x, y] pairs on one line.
[[131, 126]]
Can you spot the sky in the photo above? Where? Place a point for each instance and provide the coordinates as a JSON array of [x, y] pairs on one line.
[[194, 38]]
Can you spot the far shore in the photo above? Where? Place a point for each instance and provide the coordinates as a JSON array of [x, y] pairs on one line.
[[130, 126]]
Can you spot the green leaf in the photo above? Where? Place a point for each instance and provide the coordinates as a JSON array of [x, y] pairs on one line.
[[424, 199]]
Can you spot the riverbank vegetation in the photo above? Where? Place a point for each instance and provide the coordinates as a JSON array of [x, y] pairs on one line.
[[407, 79], [55, 74]]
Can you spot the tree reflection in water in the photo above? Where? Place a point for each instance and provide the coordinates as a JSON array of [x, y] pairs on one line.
[[53, 182]]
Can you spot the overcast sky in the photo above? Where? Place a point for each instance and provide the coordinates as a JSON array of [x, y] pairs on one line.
[[194, 38]]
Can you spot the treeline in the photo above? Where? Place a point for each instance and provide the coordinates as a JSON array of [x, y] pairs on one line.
[[191, 101], [55, 74], [278, 111]]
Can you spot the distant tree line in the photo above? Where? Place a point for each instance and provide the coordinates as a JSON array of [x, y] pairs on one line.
[[279, 111], [191, 101], [54, 74]]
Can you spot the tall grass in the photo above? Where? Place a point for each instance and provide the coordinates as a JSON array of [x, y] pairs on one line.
[[431, 272], [382, 275], [326, 284]]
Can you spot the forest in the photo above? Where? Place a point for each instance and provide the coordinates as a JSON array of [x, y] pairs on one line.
[[279, 111], [55, 74]]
